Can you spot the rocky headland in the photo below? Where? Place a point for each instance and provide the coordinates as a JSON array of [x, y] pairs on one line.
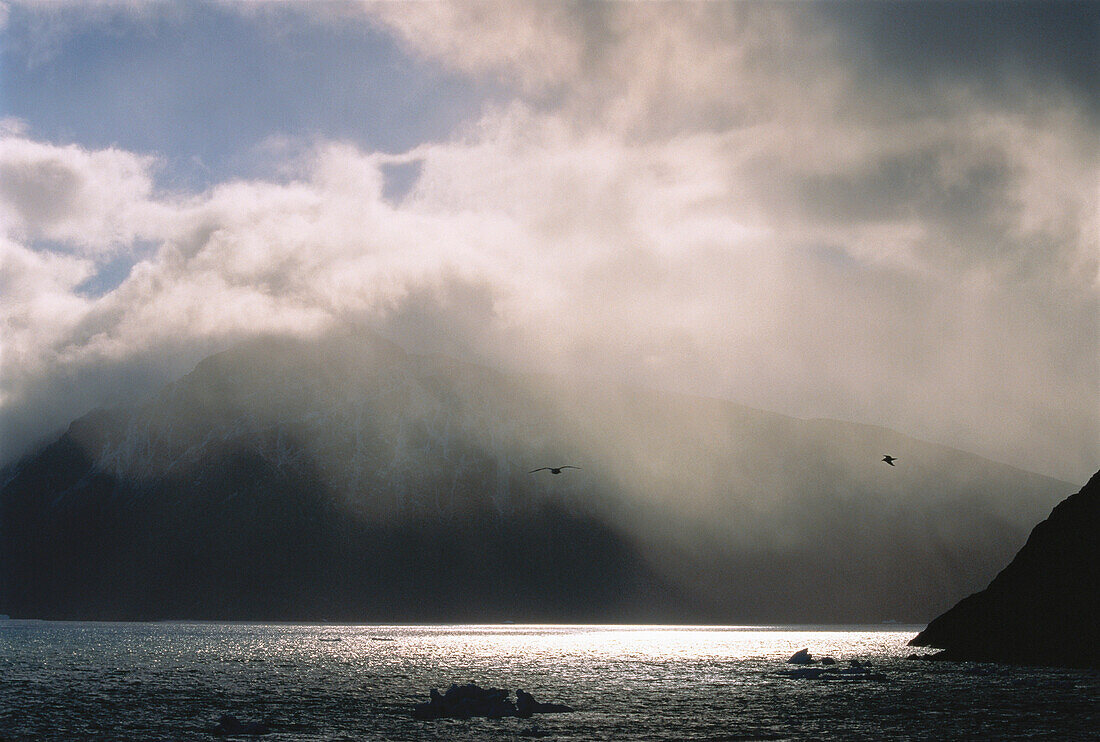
[[1042, 608]]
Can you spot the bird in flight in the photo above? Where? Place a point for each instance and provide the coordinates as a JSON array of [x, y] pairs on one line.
[[890, 459], [553, 469]]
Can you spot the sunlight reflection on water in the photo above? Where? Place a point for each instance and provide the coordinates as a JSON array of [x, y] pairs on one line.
[[333, 682]]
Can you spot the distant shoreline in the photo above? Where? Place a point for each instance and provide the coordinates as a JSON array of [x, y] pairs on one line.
[[823, 627]]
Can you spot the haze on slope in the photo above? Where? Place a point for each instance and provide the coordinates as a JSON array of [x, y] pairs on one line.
[[755, 515]]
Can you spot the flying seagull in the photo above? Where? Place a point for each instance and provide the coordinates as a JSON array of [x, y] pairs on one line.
[[890, 459], [553, 469]]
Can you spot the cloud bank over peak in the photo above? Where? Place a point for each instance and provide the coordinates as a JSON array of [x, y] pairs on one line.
[[710, 197]]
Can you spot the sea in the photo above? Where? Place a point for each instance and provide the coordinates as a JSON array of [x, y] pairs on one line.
[[173, 681]]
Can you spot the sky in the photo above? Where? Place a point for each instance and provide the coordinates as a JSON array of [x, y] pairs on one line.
[[878, 212]]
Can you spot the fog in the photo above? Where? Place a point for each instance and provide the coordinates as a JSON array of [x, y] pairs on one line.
[[407, 481], [747, 201]]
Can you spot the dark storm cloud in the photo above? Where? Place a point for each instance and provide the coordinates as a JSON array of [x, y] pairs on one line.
[[1004, 48]]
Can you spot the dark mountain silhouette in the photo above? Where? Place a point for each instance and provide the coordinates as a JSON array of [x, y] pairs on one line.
[[343, 478], [1043, 608]]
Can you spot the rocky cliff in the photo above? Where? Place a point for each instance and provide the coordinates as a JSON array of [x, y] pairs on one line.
[[1044, 607]]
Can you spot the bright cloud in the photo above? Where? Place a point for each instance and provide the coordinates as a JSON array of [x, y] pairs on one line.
[[91, 201], [699, 196]]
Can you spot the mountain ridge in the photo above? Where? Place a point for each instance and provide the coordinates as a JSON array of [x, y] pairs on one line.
[[684, 497]]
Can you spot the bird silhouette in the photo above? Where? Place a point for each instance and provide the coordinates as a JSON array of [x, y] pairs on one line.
[[553, 469], [890, 459]]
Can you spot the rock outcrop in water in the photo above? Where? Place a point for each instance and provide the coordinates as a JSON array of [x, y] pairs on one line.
[[855, 671], [1044, 607], [801, 657], [231, 726], [467, 701]]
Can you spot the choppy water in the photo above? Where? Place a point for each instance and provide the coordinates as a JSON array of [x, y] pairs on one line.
[[171, 681]]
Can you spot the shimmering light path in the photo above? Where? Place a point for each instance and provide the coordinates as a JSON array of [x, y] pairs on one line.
[[93, 681]]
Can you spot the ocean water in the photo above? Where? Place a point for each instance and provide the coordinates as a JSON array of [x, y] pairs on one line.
[[172, 681]]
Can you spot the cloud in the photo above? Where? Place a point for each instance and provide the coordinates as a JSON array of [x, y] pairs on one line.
[[698, 196], [533, 45], [93, 201]]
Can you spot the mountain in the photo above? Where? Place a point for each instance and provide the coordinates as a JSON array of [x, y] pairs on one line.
[[345, 478], [1042, 608]]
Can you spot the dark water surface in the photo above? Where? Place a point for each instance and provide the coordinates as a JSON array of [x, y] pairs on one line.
[[171, 681]]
